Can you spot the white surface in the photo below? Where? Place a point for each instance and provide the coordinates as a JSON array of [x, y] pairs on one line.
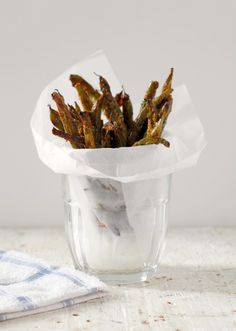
[[40, 39], [195, 289]]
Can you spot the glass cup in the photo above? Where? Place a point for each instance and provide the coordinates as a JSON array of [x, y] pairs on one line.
[[116, 230]]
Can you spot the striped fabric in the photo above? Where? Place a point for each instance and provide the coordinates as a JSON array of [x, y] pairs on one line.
[[30, 286]]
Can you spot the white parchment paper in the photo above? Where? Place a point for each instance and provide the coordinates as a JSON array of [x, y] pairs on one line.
[[184, 131]]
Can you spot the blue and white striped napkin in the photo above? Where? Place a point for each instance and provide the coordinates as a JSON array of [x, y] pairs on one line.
[[29, 286]]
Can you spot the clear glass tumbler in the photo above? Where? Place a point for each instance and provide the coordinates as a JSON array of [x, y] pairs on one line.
[[116, 230]]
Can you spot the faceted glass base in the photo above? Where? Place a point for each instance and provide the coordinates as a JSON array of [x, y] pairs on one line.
[[126, 278]]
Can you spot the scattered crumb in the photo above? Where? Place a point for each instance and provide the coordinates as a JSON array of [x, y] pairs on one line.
[[140, 311], [234, 311], [102, 225], [217, 274], [146, 281], [88, 321], [145, 322], [58, 322], [160, 277], [75, 314], [169, 303], [162, 318], [168, 279], [155, 320], [177, 330]]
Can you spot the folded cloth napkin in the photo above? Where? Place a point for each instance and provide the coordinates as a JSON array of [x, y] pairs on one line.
[[29, 286]]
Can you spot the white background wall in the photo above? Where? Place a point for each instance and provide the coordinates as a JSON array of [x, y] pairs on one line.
[[143, 39]]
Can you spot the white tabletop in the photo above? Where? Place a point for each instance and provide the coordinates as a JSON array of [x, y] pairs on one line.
[[194, 290]]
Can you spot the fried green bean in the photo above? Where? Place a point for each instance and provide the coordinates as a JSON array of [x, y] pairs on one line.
[[165, 92], [64, 113], [76, 119], [97, 121], [88, 130], [112, 110], [73, 112], [159, 101], [167, 85], [149, 95], [55, 119], [113, 113], [152, 118], [76, 141], [151, 91], [84, 98], [77, 108], [152, 140], [108, 135], [141, 119], [104, 85], [157, 131], [92, 93], [127, 109], [119, 98]]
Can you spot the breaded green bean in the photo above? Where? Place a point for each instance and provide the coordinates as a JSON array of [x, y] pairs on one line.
[[115, 116], [167, 85], [119, 98], [141, 119], [88, 130], [112, 110], [97, 121], [76, 142], [159, 101], [152, 140], [151, 91], [149, 95], [127, 110], [55, 119], [152, 118], [84, 98], [73, 112], [64, 113], [77, 108], [157, 131], [92, 93], [165, 92], [104, 85], [108, 135]]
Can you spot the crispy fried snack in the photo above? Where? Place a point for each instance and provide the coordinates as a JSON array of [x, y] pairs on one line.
[[84, 97], [88, 130], [73, 139], [92, 93], [141, 119], [154, 133], [83, 126], [55, 119], [125, 103]]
